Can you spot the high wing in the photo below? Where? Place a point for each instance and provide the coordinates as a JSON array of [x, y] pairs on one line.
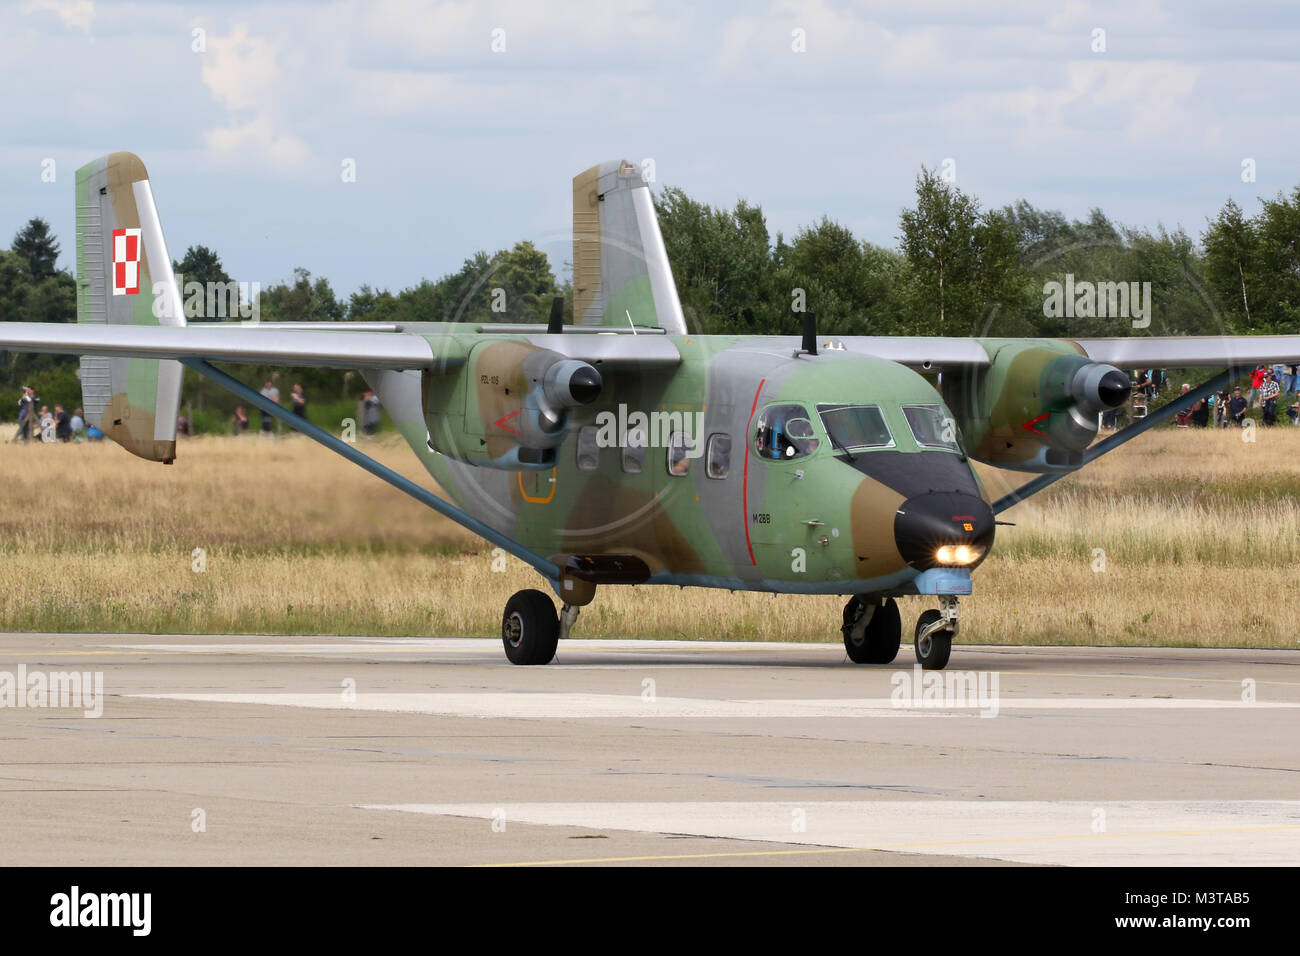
[[310, 347], [936, 353], [347, 350], [1193, 350], [923, 352]]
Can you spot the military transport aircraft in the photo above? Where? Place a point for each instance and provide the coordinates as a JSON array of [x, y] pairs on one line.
[[622, 449]]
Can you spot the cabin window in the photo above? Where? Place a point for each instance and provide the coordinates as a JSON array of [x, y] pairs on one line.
[[632, 457], [784, 433], [718, 457], [855, 426], [931, 427], [588, 448], [679, 462]]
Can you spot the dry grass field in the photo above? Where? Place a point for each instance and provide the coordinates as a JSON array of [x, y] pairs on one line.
[[1199, 532]]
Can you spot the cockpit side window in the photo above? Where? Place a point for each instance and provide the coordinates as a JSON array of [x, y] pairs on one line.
[[784, 433], [931, 427]]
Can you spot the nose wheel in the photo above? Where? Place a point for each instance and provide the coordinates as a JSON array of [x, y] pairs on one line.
[[872, 630], [935, 630]]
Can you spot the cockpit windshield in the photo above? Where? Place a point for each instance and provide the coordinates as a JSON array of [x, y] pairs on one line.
[[931, 427], [855, 426]]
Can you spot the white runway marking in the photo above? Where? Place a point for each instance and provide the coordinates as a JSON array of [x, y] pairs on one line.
[[473, 645], [1078, 833], [569, 706], [559, 706]]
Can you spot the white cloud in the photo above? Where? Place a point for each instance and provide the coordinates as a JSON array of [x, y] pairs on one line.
[[75, 14], [257, 140], [249, 75], [1149, 96]]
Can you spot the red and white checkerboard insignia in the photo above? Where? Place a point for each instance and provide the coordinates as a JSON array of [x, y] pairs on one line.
[[126, 262]]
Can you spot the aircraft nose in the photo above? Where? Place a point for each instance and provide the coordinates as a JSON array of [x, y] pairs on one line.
[[944, 529]]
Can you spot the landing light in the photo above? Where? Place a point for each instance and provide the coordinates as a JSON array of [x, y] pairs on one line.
[[956, 554]]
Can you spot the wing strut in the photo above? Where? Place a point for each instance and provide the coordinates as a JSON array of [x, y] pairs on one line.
[[547, 569], [1162, 414]]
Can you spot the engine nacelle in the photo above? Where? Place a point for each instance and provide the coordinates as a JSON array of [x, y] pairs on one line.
[[508, 406], [1035, 407]]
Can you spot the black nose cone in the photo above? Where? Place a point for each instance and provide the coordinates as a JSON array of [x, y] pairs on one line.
[[1113, 389], [584, 385], [927, 523]]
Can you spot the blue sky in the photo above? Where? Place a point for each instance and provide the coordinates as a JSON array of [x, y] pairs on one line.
[[458, 147]]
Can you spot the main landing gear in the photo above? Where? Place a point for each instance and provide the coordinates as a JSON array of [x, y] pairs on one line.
[[530, 629], [872, 632]]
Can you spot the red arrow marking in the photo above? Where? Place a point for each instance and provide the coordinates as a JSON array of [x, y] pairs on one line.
[[501, 423], [1029, 425]]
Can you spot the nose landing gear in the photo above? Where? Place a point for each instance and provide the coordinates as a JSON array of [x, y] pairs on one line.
[[935, 630]]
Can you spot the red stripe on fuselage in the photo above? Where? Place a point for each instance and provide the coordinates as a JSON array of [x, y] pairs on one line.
[[744, 488]]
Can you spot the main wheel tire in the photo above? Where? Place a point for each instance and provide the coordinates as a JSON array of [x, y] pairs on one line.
[[530, 629], [932, 653], [880, 638]]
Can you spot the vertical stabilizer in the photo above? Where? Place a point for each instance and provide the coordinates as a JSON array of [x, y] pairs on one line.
[[124, 277], [621, 274]]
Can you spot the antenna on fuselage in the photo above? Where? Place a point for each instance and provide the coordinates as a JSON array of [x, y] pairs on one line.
[[809, 334], [556, 325]]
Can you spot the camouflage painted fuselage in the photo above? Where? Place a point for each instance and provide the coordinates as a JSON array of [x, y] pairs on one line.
[[824, 522]]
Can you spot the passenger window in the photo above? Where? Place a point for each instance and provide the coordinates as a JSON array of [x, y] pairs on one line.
[[679, 463], [588, 448], [633, 454], [718, 458], [784, 433]]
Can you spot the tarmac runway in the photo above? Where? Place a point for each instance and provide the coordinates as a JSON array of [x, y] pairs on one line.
[[269, 750]]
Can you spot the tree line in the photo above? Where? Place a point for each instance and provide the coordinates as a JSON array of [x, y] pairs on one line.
[[958, 269]]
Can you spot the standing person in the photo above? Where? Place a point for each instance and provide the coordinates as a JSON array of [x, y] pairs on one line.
[[270, 392], [240, 421], [26, 414], [1201, 414], [1221, 400], [1237, 407], [62, 424], [78, 424], [369, 412], [1269, 392], [1184, 418], [46, 421], [1289, 379], [299, 399], [1256, 383]]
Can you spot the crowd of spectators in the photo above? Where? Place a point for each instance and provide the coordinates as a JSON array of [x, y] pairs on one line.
[[37, 422], [1268, 386]]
